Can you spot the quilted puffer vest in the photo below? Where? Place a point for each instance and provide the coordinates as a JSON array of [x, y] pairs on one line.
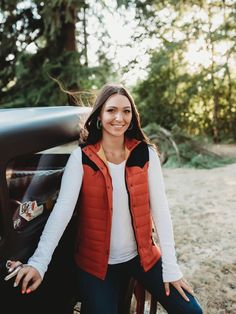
[[95, 208]]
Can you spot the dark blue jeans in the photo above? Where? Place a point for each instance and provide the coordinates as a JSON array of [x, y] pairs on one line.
[[102, 296]]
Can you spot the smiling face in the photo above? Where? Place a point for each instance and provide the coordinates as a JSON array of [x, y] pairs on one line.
[[116, 115]]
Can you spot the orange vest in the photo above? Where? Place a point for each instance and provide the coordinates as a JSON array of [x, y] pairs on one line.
[[95, 208]]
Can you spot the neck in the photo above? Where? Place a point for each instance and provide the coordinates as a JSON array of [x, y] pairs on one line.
[[113, 144]]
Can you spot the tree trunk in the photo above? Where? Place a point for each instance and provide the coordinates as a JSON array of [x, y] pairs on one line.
[[216, 137], [68, 30], [228, 75], [85, 37], [68, 40], [215, 127]]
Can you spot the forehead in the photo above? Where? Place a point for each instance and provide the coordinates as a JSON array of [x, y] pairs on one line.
[[117, 101]]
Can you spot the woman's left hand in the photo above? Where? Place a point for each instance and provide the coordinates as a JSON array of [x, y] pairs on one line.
[[179, 285]]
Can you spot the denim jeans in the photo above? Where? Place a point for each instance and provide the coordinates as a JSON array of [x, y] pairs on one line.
[[102, 296]]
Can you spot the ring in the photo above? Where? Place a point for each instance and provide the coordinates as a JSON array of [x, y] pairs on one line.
[[9, 262], [14, 272]]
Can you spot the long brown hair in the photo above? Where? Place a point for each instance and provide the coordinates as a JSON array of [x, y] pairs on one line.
[[92, 134]]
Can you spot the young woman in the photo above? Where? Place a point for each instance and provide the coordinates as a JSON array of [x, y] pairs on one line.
[[116, 174]]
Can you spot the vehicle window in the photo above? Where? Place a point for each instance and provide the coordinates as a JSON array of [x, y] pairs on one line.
[[34, 182]]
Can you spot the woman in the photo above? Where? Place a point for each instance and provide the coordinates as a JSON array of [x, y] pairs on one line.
[[116, 173]]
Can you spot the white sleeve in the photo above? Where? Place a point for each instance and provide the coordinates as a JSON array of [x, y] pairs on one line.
[[162, 219], [61, 213]]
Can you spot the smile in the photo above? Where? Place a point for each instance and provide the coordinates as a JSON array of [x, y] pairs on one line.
[[117, 125]]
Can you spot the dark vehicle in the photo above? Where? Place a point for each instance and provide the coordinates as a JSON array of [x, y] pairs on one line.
[[35, 144]]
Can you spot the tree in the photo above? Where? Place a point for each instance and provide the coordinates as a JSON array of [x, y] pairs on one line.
[[164, 95], [43, 41], [205, 95]]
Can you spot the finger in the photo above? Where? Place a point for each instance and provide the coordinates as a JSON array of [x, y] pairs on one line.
[[188, 288], [167, 288], [13, 273], [21, 273], [34, 285], [187, 283], [31, 281], [181, 291], [25, 282], [184, 280]]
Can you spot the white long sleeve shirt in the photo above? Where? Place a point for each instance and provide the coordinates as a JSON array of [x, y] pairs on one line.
[[123, 245]]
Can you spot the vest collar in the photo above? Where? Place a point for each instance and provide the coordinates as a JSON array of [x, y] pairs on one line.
[[130, 144]]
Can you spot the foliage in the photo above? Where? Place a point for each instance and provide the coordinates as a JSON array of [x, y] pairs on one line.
[[28, 75], [45, 45], [200, 100], [165, 90], [178, 149]]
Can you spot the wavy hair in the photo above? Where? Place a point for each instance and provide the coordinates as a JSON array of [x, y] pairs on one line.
[[91, 134]]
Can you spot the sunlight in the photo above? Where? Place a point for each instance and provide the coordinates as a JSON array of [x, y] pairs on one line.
[[197, 55], [123, 51], [121, 27]]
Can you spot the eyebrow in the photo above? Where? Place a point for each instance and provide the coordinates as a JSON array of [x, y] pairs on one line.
[[126, 107]]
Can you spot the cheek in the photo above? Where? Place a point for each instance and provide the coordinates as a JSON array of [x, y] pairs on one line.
[[129, 118], [105, 117]]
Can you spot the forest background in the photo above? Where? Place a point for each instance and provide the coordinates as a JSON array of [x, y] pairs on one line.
[[177, 58]]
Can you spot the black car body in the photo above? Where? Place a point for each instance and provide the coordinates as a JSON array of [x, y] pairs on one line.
[[35, 144]]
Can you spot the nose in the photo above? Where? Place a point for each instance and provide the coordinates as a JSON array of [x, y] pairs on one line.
[[119, 116]]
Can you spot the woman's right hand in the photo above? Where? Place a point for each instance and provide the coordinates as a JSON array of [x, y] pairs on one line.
[[28, 276]]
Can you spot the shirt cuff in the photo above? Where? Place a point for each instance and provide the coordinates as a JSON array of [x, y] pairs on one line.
[[171, 273], [39, 268]]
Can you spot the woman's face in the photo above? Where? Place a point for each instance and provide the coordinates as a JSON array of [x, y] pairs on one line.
[[116, 115]]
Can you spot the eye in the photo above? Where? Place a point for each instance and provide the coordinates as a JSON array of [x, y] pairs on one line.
[[127, 111], [110, 110]]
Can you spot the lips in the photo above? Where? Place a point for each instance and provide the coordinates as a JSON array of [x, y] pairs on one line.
[[117, 126]]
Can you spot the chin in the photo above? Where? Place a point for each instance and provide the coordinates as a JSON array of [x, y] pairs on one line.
[[116, 132]]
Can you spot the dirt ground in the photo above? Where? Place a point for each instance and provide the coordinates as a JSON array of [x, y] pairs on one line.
[[203, 209]]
